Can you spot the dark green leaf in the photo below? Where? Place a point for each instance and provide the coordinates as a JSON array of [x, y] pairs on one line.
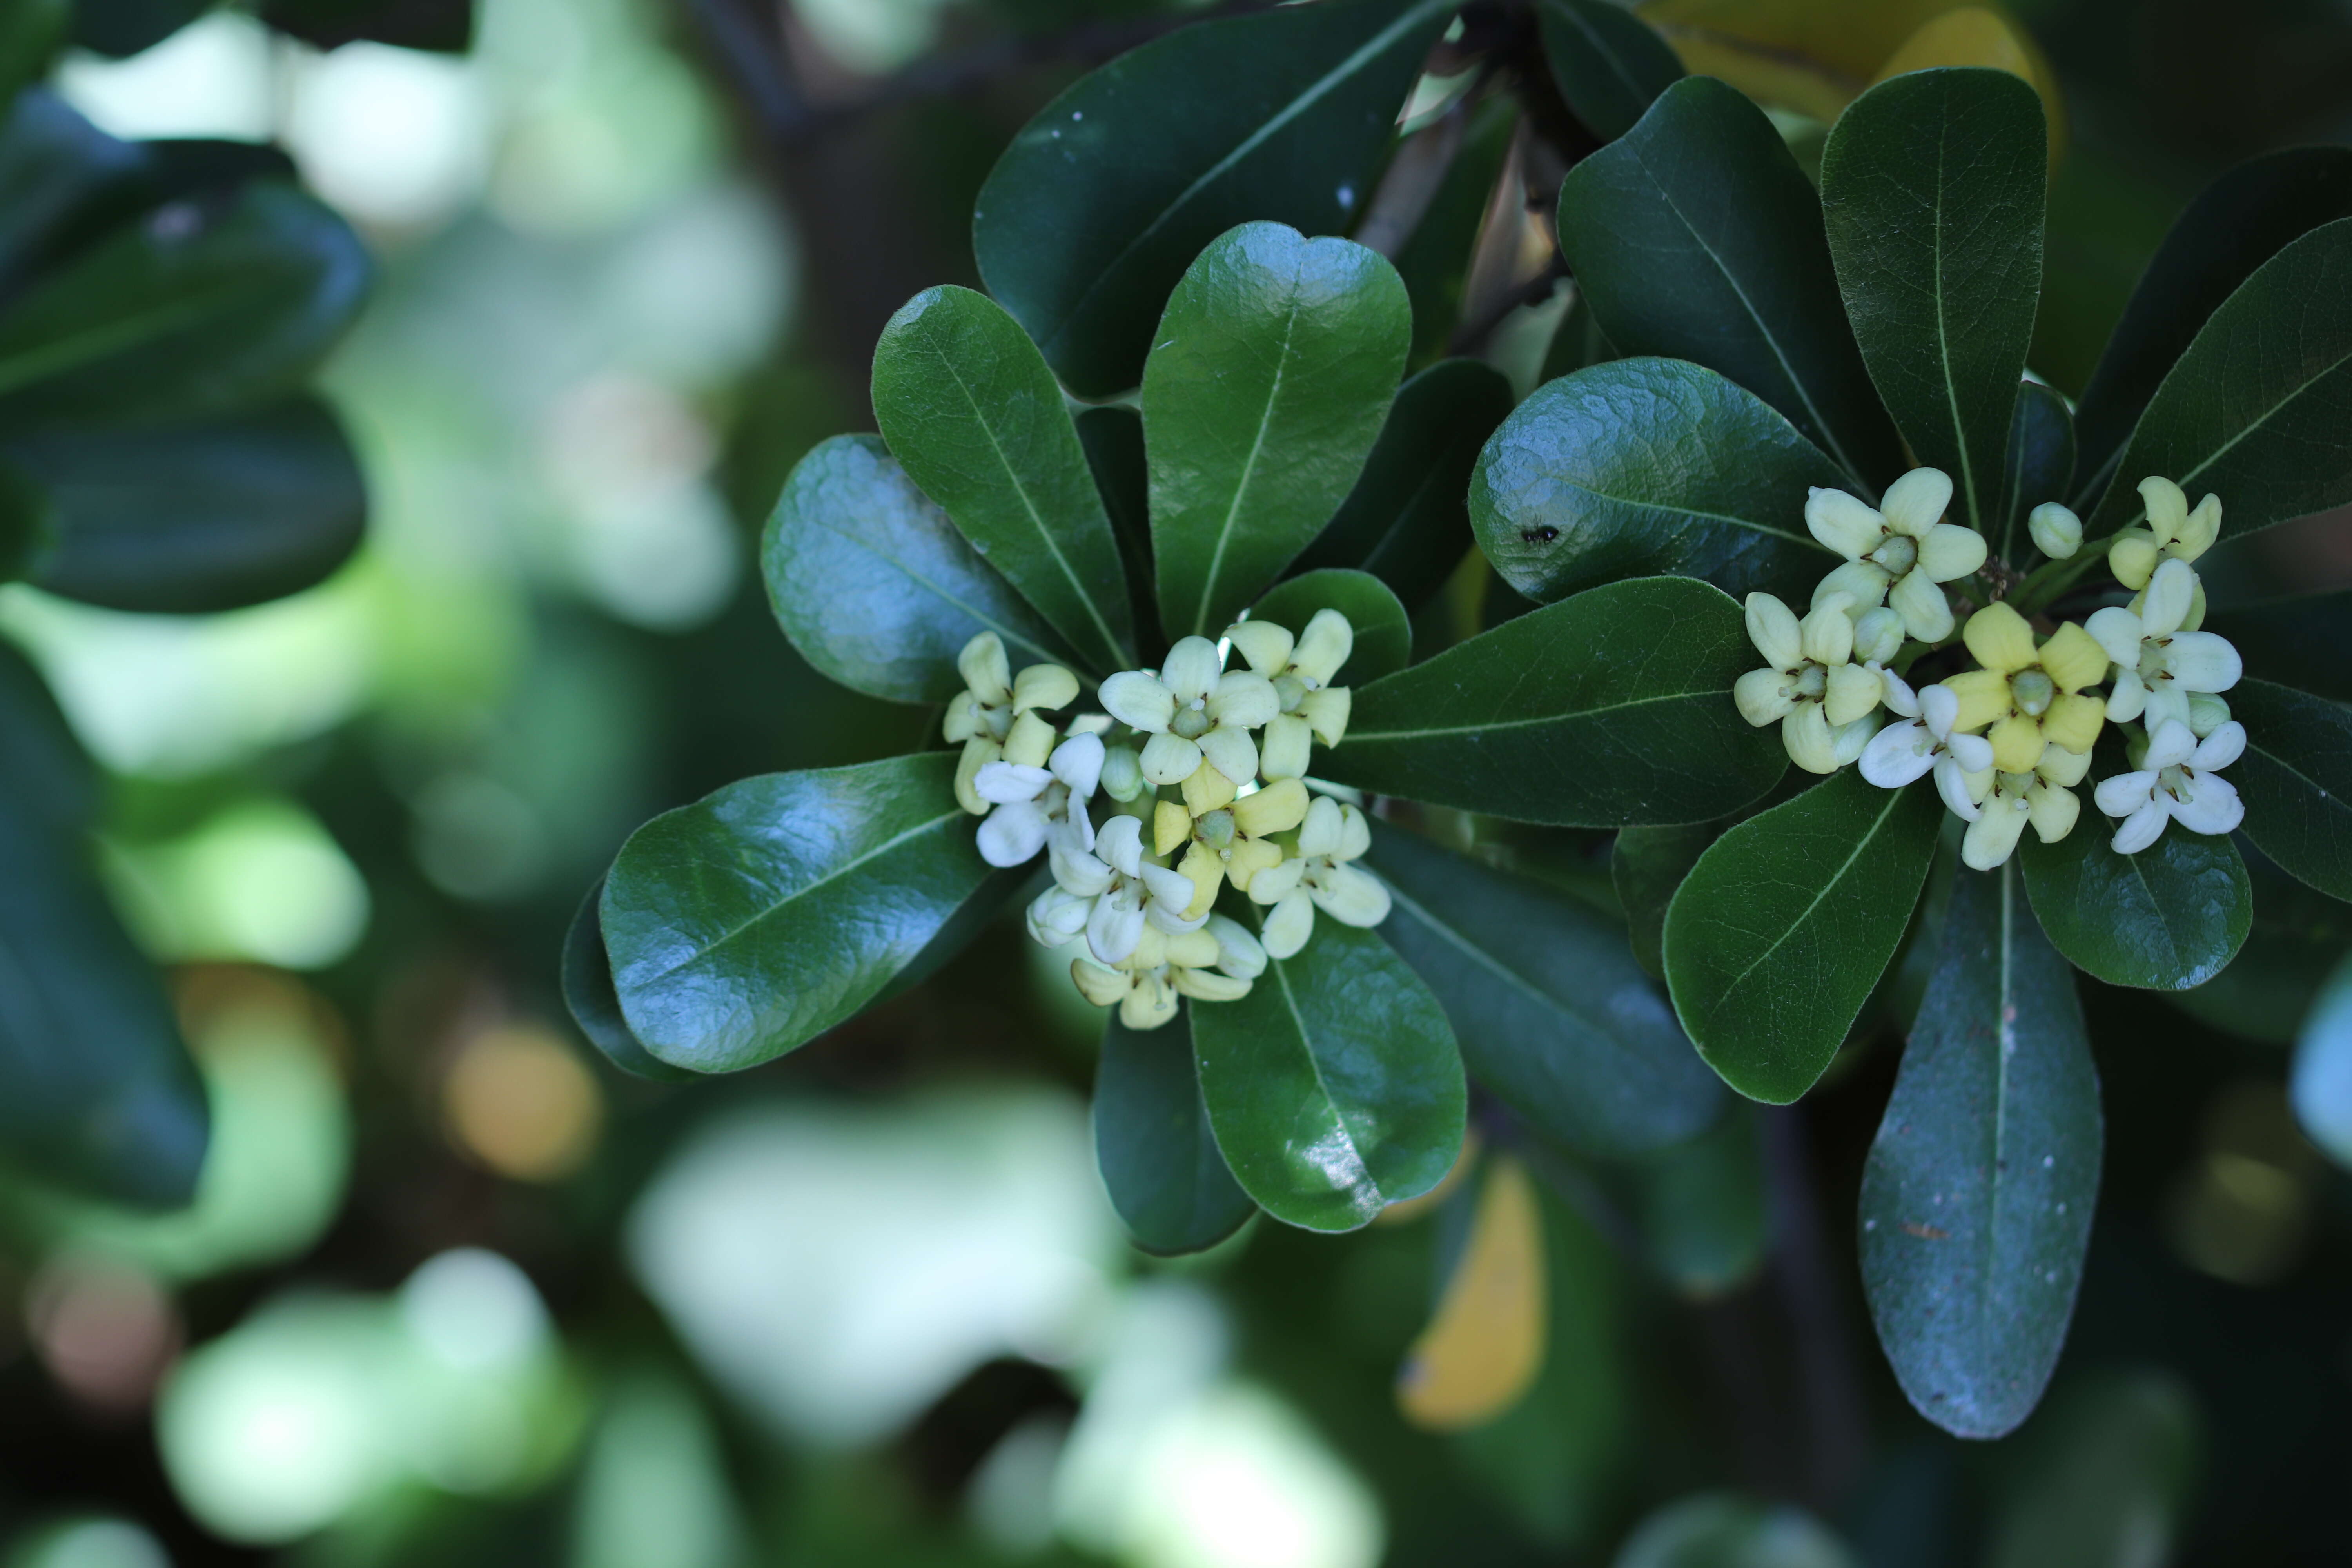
[[1083, 239], [1334, 1087], [589, 995], [1576, 342], [1697, 236], [27, 521], [1607, 62], [2103, 1480], [1551, 1012], [2298, 640], [2236, 224], [2041, 464], [1113, 437], [2259, 410], [2321, 1086], [1159, 1163], [1607, 709], [121, 27], [1649, 465], [744, 925], [204, 306], [446, 25], [30, 33], [2297, 781], [1266, 388], [875, 586], [1779, 934], [2166, 919], [1933, 183], [188, 518], [1978, 1195], [53, 164], [1406, 521], [1384, 633], [2297, 937], [971, 412], [1645, 867], [1700, 1207]]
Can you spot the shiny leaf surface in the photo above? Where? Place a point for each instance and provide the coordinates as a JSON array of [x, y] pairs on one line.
[[1608, 65], [2166, 919], [1383, 631], [1159, 1160], [589, 997], [2297, 781]]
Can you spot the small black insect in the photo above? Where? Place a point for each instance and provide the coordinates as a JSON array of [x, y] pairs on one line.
[[1540, 535]]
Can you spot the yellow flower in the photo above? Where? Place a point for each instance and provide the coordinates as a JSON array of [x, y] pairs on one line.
[[2028, 695], [1230, 840], [999, 718], [2173, 532]]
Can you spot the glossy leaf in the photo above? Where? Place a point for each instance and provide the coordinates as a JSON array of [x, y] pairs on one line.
[[2259, 410], [1645, 867], [2297, 642], [2040, 465], [1267, 387], [589, 997], [1113, 438], [187, 519], [1978, 1195], [1083, 239], [1383, 631], [1159, 1160], [1696, 236], [2236, 224], [974, 416], [1933, 186], [1406, 521], [1552, 1013], [2297, 781], [1607, 709], [2166, 919], [1780, 933], [1607, 62], [208, 306], [1334, 1087], [875, 588], [2321, 1084], [1644, 467], [744, 925], [53, 165]]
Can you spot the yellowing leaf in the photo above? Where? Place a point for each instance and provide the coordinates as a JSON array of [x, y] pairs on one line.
[[1407, 1209], [1484, 1346]]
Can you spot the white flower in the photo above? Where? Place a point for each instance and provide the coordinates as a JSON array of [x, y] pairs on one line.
[[1821, 700], [1301, 671], [1192, 710], [1025, 801], [1126, 889], [2177, 781], [1923, 741], [1146, 998], [2057, 531], [998, 718], [1898, 551], [1214, 963], [2006, 803], [2158, 666], [2173, 532], [1319, 876]]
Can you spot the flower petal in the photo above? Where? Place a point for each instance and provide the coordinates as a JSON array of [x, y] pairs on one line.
[[2060, 767], [1239, 953], [2133, 557], [2074, 722], [1247, 857], [1001, 782], [1191, 669], [1764, 696], [1012, 834], [1288, 926], [2202, 528], [1171, 888], [1078, 762], [2073, 658], [1899, 696], [1772, 628], [2016, 743], [2000, 639], [2170, 744], [1208, 985], [2212, 806], [1277, 808], [1150, 1004], [1844, 523], [1960, 789], [1984, 697], [1917, 501], [1264, 644], [1231, 753], [987, 673], [1137, 698], [1992, 838], [1112, 932], [2052, 810], [2168, 508], [2120, 795], [2164, 602], [2118, 633], [977, 752], [2202, 661], [1853, 694], [1275, 883], [1045, 686], [1898, 754], [1355, 834], [1972, 753], [1864, 583], [2128, 699], [1119, 844], [1243, 699], [1351, 896], [2140, 829], [1282, 751], [1926, 613], [1950, 551], [1170, 758], [1805, 734], [1171, 825], [1320, 832], [2218, 749], [1826, 634], [1324, 646]]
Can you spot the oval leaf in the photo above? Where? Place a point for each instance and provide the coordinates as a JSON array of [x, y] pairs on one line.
[[974, 414], [2166, 919], [1646, 866], [1551, 1012], [1083, 240], [1112, 436], [1272, 374], [748, 923], [1334, 1087], [1603, 710], [1780, 931], [1643, 467], [1383, 631], [1933, 186], [2259, 410], [1608, 64], [2297, 781], [589, 995], [1697, 236], [1978, 1195], [2040, 466], [1159, 1160], [875, 588]]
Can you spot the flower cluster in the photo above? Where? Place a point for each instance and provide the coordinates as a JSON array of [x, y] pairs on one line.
[[1191, 779], [2009, 740]]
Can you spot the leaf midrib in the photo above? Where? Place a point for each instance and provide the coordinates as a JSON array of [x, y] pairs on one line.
[[1894, 799], [1376, 736], [1003, 629], [1249, 464], [1322, 1086]]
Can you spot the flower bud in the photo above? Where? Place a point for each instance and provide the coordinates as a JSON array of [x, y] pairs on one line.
[[2207, 713], [1122, 774], [2057, 532], [1877, 636]]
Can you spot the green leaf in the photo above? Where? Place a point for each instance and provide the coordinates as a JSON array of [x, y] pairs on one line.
[[2103, 1480], [1645, 867], [748, 923], [2297, 641], [1383, 631], [2321, 1083], [1576, 342], [1406, 521], [1159, 1163], [1334, 1087], [2040, 466], [2297, 781], [1696, 236], [1082, 239], [1978, 1195], [1779, 934], [53, 165], [2297, 937], [206, 306], [97, 1092], [1700, 1207], [2236, 224], [1607, 709], [875, 588], [2165, 919], [1266, 388], [1113, 438], [974, 416], [589, 995], [2259, 410], [189, 519], [1933, 184], [1552, 1014], [1643, 467], [1607, 62]]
